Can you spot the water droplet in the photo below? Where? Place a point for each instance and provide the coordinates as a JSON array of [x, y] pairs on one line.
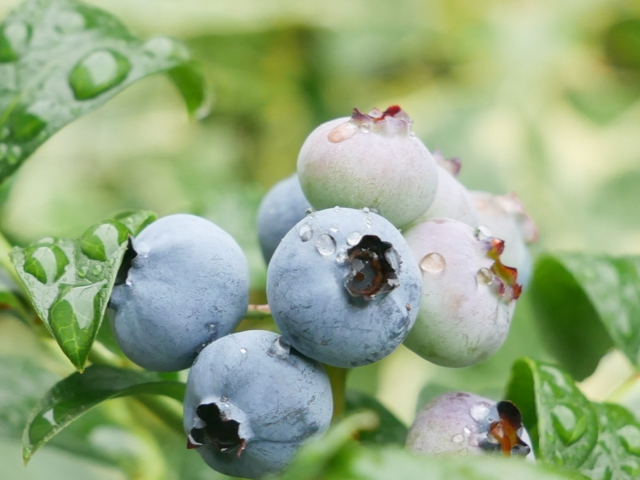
[[336, 208], [354, 238], [310, 212], [14, 37], [164, 47], [463, 452], [342, 257], [243, 350], [333, 228], [484, 276], [97, 269], [412, 133], [305, 233], [79, 306], [69, 22], [568, 423], [98, 72], [46, 263], [482, 233], [365, 128], [224, 399], [82, 271], [630, 436], [457, 438], [25, 125], [279, 349], [325, 244], [630, 467], [342, 132], [479, 411], [432, 263], [366, 210], [103, 241]]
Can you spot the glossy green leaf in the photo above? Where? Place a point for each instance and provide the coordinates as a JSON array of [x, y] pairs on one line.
[[60, 59], [390, 431], [70, 282], [72, 397], [586, 304], [600, 441]]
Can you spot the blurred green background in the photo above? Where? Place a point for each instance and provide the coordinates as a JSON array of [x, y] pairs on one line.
[[540, 98]]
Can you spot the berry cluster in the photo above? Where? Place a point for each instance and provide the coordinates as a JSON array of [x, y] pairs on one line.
[[345, 288]]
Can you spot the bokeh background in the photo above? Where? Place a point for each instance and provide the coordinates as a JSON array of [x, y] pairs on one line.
[[540, 98]]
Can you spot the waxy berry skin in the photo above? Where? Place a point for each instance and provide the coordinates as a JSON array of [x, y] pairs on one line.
[[343, 287], [281, 208], [369, 161], [252, 401], [187, 285], [468, 295], [464, 423]]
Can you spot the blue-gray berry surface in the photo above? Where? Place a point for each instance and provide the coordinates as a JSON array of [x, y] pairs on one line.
[[252, 401], [344, 287], [281, 208], [187, 284]]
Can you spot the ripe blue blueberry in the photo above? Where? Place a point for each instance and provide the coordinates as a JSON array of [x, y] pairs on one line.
[[343, 287], [468, 295], [252, 401], [369, 161], [463, 423], [183, 284], [281, 208]]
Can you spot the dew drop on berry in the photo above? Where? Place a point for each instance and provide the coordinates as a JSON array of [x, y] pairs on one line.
[[354, 238], [342, 132], [325, 244], [342, 257], [333, 228], [243, 350], [484, 276], [483, 233], [305, 233], [457, 438], [365, 128], [432, 263], [479, 411]]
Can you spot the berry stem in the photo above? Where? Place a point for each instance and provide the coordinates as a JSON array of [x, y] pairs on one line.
[[338, 380]]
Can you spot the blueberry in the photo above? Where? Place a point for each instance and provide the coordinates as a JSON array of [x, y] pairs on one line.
[[184, 283], [463, 423], [343, 287], [281, 208], [369, 161], [452, 199], [468, 295], [505, 217], [252, 401]]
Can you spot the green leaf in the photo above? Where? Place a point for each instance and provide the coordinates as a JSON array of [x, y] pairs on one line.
[[60, 59], [12, 302], [390, 431], [72, 397], [70, 282], [585, 304], [600, 441]]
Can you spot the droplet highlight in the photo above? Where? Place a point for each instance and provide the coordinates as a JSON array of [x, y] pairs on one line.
[[98, 72], [484, 276], [432, 263], [325, 244], [305, 232]]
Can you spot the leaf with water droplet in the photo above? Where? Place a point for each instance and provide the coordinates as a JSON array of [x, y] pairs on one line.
[[75, 395], [585, 305], [601, 441], [69, 282], [95, 58]]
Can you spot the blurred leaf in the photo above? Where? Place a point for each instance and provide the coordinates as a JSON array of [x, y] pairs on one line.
[[604, 103], [70, 282], [601, 441], [60, 59], [586, 304], [73, 396], [12, 302], [390, 431], [622, 44]]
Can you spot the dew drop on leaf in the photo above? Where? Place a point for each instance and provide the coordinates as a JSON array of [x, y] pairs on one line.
[[14, 37], [568, 423], [98, 72], [630, 436], [46, 263]]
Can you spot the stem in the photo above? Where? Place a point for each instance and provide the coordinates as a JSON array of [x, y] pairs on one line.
[[623, 388], [165, 409], [258, 311], [338, 380]]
